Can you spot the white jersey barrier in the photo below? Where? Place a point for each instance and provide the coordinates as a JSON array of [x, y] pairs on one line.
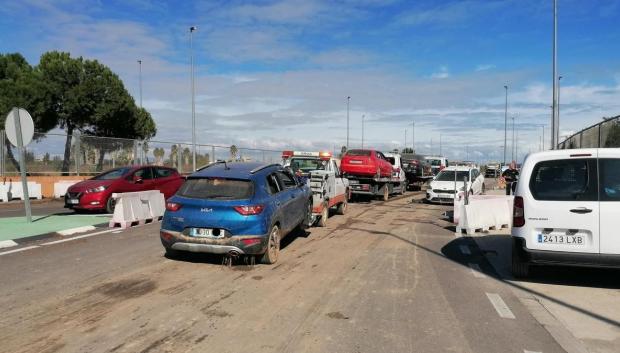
[[13, 190], [133, 208], [61, 187], [483, 212]]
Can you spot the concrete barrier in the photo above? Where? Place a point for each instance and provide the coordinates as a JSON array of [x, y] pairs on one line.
[[135, 208], [13, 190], [483, 212], [61, 187]]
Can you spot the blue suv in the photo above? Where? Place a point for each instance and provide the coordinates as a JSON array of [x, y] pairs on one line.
[[236, 209]]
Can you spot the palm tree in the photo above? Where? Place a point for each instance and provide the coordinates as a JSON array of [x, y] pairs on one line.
[[233, 152]]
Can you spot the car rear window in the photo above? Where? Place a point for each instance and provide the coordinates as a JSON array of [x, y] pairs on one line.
[[392, 160], [609, 174], [565, 180], [358, 153], [163, 172], [217, 188]]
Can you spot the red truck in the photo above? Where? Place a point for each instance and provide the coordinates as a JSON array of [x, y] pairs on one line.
[[369, 172]]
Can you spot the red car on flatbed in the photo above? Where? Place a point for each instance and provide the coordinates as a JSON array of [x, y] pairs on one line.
[[369, 173], [368, 163], [96, 193]]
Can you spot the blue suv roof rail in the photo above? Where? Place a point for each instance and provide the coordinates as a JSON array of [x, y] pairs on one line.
[[258, 169], [211, 165]]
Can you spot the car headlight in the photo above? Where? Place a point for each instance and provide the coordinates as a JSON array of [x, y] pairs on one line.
[[97, 189]]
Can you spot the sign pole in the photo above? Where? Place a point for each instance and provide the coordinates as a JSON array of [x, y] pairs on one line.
[[22, 163]]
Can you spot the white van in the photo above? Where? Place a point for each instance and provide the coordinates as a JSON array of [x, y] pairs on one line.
[[567, 210]]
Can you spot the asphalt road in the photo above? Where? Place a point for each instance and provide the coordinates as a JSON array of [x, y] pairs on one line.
[[39, 208], [386, 277]]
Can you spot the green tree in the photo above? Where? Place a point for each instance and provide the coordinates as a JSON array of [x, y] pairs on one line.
[[613, 137], [21, 86], [408, 150], [233, 152]]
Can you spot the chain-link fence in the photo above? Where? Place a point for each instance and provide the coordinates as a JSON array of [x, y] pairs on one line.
[[603, 134], [53, 154]]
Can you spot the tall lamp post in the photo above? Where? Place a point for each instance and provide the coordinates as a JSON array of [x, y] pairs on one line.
[[513, 139], [405, 141], [191, 50], [505, 122], [348, 103], [559, 86], [440, 155], [413, 136], [140, 80], [543, 136], [363, 130], [555, 130]]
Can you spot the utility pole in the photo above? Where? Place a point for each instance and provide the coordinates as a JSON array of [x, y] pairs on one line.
[[405, 141], [513, 139], [140, 79], [543, 136], [440, 155], [413, 136], [505, 122], [363, 130], [191, 49], [555, 130], [348, 103]]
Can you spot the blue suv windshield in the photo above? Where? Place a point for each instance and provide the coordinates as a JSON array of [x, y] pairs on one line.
[[217, 188]]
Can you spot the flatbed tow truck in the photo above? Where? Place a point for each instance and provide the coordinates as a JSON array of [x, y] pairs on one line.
[[329, 187]]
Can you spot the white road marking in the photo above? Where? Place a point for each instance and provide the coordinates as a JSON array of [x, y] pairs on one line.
[[18, 250], [457, 235], [465, 249], [76, 230], [500, 306], [117, 231], [7, 244], [526, 351], [476, 271], [78, 237]]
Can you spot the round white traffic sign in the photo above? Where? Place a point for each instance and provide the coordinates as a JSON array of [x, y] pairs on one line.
[[27, 126]]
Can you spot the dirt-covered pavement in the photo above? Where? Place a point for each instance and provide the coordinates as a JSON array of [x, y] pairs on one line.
[[387, 277]]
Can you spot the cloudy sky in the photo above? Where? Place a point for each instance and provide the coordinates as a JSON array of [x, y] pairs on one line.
[[276, 74]]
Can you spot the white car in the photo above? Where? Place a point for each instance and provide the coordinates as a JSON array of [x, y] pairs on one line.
[[566, 210], [399, 177], [450, 182]]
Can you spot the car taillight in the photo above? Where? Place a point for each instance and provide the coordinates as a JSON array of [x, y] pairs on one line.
[[173, 206], [249, 210], [250, 241], [518, 215]]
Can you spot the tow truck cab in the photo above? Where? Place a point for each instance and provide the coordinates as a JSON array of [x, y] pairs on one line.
[[329, 187]]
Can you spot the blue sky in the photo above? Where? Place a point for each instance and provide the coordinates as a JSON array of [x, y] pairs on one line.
[[276, 74]]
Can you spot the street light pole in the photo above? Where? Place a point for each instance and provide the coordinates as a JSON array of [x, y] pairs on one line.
[[140, 79], [513, 139], [555, 130], [363, 130], [543, 137], [559, 87], [413, 136], [191, 49], [440, 155], [348, 103], [405, 141], [505, 122]]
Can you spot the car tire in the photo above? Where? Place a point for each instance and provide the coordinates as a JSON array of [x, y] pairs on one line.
[[324, 215], [110, 204], [270, 256], [520, 268], [343, 206], [403, 188], [307, 222], [386, 193]]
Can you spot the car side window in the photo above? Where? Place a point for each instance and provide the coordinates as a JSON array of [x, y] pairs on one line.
[[335, 167], [272, 184], [287, 180], [565, 180], [609, 179], [144, 173], [162, 172]]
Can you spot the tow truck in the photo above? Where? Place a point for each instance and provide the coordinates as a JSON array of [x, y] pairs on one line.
[[329, 188]]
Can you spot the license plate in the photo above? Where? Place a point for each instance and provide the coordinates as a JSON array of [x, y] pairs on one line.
[[73, 201], [351, 182], [561, 239], [200, 232]]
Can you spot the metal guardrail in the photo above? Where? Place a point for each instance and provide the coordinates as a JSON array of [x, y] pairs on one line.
[[603, 134]]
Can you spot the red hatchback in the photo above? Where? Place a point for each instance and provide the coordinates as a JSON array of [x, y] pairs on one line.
[[95, 193], [367, 163]]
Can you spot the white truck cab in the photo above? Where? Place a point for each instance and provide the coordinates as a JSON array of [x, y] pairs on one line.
[[329, 188], [566, 209], [399, 178]]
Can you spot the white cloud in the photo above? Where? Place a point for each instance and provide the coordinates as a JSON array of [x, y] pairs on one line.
[[484, 67], [442, 73]]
